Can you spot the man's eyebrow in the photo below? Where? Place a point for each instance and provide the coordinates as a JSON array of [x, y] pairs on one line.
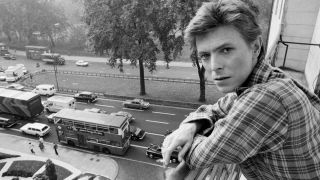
[[223, 45]]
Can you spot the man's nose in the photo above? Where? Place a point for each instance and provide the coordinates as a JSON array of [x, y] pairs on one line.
[[215, 63]]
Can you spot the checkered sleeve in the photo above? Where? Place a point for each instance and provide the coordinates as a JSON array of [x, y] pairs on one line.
[[257, 122], [209, 114]]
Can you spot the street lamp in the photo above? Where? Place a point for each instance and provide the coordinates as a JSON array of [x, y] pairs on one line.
[[55, 60]]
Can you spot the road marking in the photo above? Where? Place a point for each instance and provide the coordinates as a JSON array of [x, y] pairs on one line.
[[133, 109], [104, 105], [143, 147], [155, 134], [160, 122], [163, 113]]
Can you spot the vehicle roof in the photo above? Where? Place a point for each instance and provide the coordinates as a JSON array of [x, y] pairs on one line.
[[91, 117], [36, 47], [60, 98], [22, 95], [85, 92], [38, 125], [45, 85]]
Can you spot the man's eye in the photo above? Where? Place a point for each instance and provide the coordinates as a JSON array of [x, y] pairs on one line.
[[204, 56], [226, 50]]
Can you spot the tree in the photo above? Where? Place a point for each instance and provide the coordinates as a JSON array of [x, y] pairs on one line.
[[51, 170], [123, 28]]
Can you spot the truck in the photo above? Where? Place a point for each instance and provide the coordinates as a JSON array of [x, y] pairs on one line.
[[53, 58], [14, 73], [21, 104], [56, 103]]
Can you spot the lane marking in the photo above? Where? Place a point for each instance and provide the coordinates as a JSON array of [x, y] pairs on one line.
[[155, 134], [133, 109], [143, 147], [104, 105], [170, 114], [160, 122]]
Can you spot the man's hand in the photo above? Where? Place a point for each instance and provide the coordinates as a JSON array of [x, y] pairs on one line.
[[182, 137], [178, 173]]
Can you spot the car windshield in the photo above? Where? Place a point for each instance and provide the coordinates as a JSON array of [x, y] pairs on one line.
[[44, 128]]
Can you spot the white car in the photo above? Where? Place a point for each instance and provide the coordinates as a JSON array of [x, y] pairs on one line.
[[3, 76], [36, 129], [24, 69], [15, 86], [82, 63]]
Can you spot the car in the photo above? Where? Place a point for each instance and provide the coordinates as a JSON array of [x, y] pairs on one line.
[[3, 76], [154, 152], [45, 89], [137, 133], [85, 96], [50, 118], [95, 110], [24, 69], [36, 129], [136, 103], [124, 114], [9, 57], [15, 86], [82, 63]]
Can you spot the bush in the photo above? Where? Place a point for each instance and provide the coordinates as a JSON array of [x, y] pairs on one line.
[[41, 177], [19, 173]]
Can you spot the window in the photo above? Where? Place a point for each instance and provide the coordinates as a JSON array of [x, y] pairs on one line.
[[79, 125], [92, 140], [113, 130], [104, 141], [104, 129]]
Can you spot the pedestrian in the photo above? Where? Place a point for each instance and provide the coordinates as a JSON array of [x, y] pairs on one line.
[[55, 147], [267, 123], [31, 147], [41, 145]]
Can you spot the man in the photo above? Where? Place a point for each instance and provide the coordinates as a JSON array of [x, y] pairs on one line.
[[267, 123]]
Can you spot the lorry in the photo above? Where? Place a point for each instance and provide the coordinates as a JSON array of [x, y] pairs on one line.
[[53, 58], [14, 73], [21, 104], [56, 103]]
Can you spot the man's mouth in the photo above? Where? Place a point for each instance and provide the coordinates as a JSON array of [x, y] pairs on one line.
[[220, 78]]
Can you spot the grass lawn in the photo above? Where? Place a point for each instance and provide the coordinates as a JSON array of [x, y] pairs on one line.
[[27, 166], [172, 91], [34, 166], [1, 165]]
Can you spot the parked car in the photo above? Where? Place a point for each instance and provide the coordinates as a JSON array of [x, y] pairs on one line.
[[36, 129], [85, 96], [9, 57], [136, 103], [137, 133], [24, 69], [15, 86], [82, 63], [124, 114], [154, 152]]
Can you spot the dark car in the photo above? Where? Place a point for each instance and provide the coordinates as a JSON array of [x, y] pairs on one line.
[[154, 152], [9, 56], [137, 133], [85, 96], [136, 103]]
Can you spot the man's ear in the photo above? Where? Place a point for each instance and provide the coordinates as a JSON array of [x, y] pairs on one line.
[[256, 46]]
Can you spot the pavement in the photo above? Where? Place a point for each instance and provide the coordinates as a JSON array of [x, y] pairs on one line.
[[74, 160]]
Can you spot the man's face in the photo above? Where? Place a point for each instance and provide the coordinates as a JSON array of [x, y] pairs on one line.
[[226, 57]]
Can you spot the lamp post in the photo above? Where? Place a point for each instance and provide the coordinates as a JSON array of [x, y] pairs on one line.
[[55, 61]]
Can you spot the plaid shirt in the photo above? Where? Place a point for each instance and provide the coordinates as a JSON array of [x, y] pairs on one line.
[[270, 127]]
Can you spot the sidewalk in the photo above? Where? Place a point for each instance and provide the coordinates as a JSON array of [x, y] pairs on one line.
[[75, 161]]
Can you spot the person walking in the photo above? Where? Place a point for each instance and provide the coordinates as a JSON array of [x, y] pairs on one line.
[[41, 145], [55, 147], [31, 147]]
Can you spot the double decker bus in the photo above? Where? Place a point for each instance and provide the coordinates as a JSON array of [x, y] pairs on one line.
[[99, 132]]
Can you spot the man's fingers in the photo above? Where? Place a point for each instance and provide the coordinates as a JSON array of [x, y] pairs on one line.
[[183, 151]]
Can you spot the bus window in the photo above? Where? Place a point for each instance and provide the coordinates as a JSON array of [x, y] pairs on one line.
[[68, 123], [92, 140], [113, 130], [104, 129], [79, 125], [91, 127], [104, 142]]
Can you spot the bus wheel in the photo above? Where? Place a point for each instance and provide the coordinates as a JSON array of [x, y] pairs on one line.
[[106, 150], [71, 143]]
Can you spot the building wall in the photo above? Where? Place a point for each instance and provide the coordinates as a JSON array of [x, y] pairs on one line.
[[298, 26], [313, 62]]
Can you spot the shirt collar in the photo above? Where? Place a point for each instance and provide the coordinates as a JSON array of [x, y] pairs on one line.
[[260, 74]]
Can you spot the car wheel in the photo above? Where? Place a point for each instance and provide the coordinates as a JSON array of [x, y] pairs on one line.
[[150, 156], [106, 150], [71, 143]]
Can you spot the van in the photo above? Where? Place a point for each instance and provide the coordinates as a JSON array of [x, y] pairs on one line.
[[45, 89], [56, 103], [7, 120]]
